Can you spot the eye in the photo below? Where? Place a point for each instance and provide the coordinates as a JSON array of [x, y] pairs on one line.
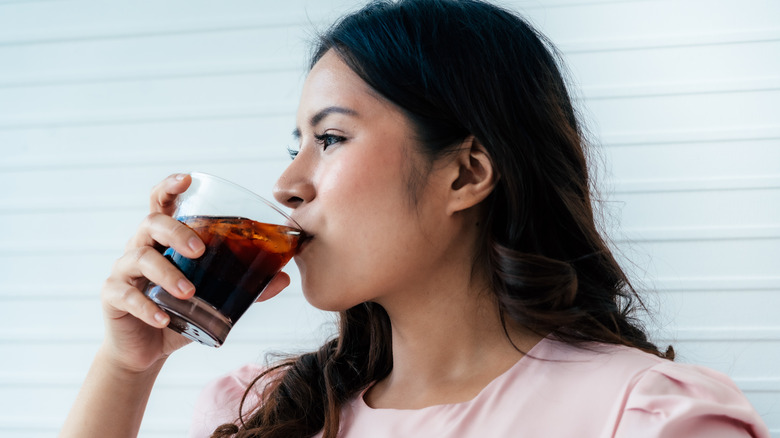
[[328, 139], [293, 152]]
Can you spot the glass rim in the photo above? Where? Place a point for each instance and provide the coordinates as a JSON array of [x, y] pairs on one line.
[[204, 175]]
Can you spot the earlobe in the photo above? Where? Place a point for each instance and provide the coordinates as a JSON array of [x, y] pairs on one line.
[[475, 176]]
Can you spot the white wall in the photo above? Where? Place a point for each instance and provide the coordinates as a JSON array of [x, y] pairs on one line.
[[100, 100]]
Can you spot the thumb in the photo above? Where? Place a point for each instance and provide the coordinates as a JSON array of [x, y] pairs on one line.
[[277, 284]]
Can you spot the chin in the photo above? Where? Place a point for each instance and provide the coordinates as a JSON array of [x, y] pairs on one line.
[[327, 302]]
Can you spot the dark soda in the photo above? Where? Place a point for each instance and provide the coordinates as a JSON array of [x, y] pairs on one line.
[[241, 258]]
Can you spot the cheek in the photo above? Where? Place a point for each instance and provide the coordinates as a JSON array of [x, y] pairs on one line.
[[365, 221], [363, 187]]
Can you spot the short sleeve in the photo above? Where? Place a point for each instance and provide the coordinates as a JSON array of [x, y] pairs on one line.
[[673, 400], [219, 401]]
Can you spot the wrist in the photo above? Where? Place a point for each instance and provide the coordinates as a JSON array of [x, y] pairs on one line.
[[113, 362], [111, 387]]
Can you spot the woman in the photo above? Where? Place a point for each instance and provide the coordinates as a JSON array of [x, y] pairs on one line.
[[442, 176]]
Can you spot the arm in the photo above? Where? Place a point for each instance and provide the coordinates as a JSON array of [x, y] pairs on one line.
[[113, 397], [111, 401]]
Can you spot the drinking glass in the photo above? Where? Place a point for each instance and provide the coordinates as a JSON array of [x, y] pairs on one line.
[[248, 241]]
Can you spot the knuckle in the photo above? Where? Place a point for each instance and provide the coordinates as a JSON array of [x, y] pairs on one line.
[[183, 232], [165, 202], [126, 294], [117, 296], [147, 307], [180, 233], [120, 266], [151, 220], [174, 225], [172, 276], [147, 221], [134, 301], [142, 254]]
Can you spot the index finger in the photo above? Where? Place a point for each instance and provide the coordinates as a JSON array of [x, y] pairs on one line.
[[163, 198]]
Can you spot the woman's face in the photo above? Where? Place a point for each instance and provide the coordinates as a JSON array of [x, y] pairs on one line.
[[349, 189]]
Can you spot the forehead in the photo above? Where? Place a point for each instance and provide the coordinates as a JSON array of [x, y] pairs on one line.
[[332, 83]]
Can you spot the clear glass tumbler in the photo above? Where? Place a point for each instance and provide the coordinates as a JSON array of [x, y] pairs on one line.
[[248, 241]]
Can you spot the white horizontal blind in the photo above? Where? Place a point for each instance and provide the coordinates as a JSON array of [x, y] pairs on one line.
[[100, 100]]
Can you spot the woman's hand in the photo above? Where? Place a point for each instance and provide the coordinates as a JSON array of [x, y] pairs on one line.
[[136, 337]]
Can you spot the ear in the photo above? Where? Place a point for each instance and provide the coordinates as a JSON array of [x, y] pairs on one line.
[[473, 176]]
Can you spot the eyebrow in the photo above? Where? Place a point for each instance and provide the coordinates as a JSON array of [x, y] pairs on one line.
[[321, 114]]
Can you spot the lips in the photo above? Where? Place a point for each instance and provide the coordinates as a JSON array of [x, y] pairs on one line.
[[305, 236], [303, 242]]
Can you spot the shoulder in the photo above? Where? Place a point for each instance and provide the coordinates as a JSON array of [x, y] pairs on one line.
[[219, 401], [672, 399], [608, 369], [623, 392]]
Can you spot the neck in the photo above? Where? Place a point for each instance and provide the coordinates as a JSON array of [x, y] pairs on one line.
[[448, 339], [448, 343]]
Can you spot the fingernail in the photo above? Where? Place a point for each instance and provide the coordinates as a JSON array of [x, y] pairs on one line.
[[185, 287], [195, 244], [161, 317], [173, 182]]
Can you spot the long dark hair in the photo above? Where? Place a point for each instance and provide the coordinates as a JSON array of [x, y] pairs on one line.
[[458, 68]]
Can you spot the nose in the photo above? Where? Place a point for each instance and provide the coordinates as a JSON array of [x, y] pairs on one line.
[[294, 187]]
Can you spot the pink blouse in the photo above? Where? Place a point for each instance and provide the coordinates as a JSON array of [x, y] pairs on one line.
[[604, 391]]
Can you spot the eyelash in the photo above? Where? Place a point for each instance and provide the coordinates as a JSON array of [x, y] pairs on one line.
[[323, 139]]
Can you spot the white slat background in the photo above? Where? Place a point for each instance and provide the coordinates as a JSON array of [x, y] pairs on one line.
[[100, 100]]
